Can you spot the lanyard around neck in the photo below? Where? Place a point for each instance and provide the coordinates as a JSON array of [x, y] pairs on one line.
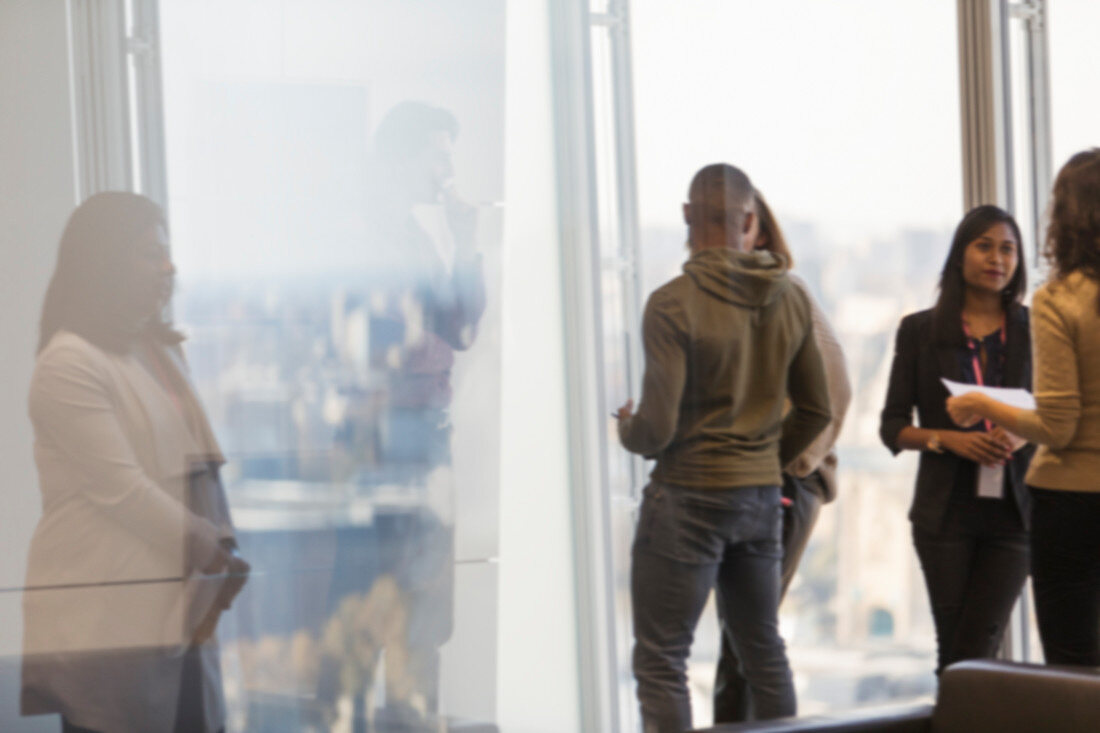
[[972, 344]]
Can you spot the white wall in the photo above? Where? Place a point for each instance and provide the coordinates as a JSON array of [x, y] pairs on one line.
[[37, 193], [537, 669]]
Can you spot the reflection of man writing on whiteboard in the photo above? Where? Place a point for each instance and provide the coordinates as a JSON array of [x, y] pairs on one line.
[[428, 294], [425, 296], [426, 306]]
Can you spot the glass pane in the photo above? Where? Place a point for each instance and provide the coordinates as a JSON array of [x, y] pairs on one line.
[[850, 130], [1075, 117], [338, 246], [617, 263], [396, 447], [1075, 113], [1022, 167]]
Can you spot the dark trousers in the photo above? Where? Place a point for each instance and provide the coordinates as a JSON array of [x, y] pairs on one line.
[[731, 691], [69, 728], [1065, 568], [688, 542], [189, 714], [974, 568]]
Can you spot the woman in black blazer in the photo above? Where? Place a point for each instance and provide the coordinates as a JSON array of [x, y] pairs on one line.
[[970, 511]]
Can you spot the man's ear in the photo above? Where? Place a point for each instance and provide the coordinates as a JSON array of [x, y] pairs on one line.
[[746, 225], [687, 214]]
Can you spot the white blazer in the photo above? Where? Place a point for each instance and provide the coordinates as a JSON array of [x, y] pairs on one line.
[[106, 603]]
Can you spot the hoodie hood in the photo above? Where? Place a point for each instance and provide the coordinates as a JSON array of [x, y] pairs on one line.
[[747, 279]]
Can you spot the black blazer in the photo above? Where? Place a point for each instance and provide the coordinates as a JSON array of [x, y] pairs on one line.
[[919, 363]]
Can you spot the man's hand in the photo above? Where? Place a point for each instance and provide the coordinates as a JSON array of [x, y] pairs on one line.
[[462, 219], [983, 448], [625, 411]]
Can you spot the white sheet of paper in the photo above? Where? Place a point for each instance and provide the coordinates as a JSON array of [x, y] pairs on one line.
[[1012, 396], [991, 482]]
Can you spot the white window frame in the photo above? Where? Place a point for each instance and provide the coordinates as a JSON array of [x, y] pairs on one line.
[[990, 170], [588, 445], [119, 118]]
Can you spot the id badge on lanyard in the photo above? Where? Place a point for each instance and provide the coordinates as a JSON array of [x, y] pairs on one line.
[[991, 479]]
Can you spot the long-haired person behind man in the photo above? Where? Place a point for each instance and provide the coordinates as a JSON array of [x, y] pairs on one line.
[[726, 344], [808, 482]]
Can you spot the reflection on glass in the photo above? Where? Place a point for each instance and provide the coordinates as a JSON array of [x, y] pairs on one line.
[[422, 303], [133, 560], [336, 241]]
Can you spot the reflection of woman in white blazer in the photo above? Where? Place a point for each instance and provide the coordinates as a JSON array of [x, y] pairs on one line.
[[132, 560]]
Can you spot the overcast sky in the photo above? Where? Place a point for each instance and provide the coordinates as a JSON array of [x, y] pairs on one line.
[[844, 112]]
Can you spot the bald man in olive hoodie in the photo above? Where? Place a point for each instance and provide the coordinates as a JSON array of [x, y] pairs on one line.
[[726, 344]]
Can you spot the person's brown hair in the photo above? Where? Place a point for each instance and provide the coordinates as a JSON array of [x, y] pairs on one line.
[[1073, 236], [774, 241]]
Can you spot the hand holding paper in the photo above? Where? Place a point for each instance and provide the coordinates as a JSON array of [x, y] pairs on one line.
[[964, 406], [962, 409], [1012, 396]]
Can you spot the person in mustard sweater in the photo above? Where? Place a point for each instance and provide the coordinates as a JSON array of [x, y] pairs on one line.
[[1065, 474], [726, 344]]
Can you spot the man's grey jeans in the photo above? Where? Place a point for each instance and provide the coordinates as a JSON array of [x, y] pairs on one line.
[[687, 542]]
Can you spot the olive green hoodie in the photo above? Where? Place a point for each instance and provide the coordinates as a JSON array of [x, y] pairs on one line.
[[726, 344]]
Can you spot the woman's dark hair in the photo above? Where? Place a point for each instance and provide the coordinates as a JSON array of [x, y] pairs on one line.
[[89, 290], [774, 241], [947, 313], [1073, 237]]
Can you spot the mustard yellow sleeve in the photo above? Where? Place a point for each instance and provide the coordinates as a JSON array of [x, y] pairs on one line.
[[1057, 381]]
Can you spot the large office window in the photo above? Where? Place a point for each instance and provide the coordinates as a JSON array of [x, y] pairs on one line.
[[1072, 115], [340, 282], [845, 115], [1075, 112]]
